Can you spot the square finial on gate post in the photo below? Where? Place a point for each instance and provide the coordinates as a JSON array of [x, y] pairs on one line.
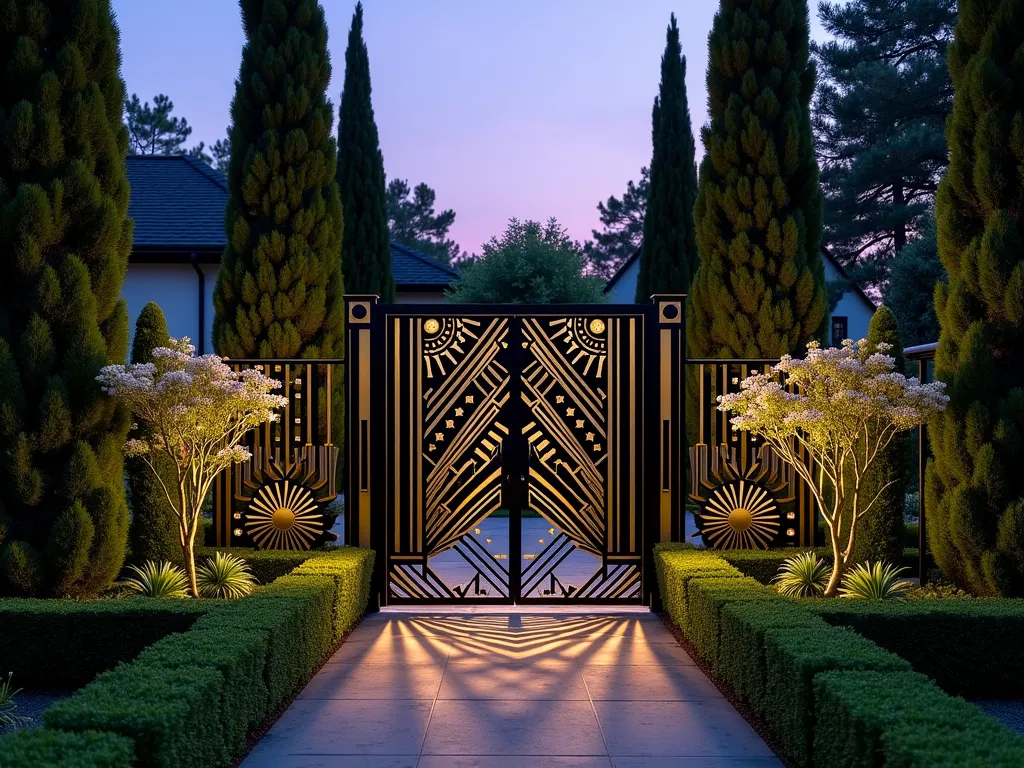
[[357, 307], [670, 307]]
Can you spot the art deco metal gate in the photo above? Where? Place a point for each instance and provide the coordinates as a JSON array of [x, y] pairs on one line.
[[514, 454]]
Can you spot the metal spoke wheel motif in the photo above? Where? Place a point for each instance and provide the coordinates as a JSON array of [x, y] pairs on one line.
[[739, 515], [284, 515]]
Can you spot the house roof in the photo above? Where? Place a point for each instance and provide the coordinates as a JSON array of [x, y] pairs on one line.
[[825, 252], [178, 204]]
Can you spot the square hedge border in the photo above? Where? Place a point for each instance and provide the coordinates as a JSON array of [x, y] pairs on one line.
[[193, 696], [818, 687]]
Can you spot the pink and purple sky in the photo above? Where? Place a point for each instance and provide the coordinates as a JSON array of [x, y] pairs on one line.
[[525, 108]]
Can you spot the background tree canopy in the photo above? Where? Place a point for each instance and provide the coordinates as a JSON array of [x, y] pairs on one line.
[[413, 222], [153, 130], [622, 222], [883, 95], [530, 264]]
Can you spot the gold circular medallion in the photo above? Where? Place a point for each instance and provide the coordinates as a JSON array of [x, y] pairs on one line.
[[431, 326], [740, 519], [282, 519], [597, 326]]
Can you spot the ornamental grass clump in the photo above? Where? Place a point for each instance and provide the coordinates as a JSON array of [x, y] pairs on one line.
[[225, 576], [9, 717], [803, 575], [199, 410], [831, 416], [153, 579], [874, 581]]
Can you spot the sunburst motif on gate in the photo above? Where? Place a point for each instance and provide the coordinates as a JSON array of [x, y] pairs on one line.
[[740, 515], [284, 515]]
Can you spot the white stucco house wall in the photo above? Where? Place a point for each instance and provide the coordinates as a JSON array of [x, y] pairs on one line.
[[849, 320], [177, 204]]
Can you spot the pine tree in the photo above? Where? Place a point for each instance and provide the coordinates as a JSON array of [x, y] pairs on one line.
[[279, 292], [64, 244], [669, 256], [910, 293], [760, 287], [975, 487], [153, 534], [879, 110], [879, 534], [366, 251]]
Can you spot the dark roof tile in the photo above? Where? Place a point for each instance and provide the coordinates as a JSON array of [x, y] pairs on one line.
[[178, 204]]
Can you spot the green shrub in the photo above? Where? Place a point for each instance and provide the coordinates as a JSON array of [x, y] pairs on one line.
[[802, 575], [63, 644], [166, 712], [240, 656], [874, 581], [874, 719], [792, 658], [20, 569], [41, 748], [741, 651], [961, 644], [705, 598], [764, 564]]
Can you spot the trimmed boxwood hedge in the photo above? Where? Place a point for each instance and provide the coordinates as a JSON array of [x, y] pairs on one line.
[[961, 644], [265, 564], [869, 719], [193, 698], [41, 748], [776, 654], [63, 644]]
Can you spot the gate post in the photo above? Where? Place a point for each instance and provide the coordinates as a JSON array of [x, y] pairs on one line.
[[665, 516], [358, 427]]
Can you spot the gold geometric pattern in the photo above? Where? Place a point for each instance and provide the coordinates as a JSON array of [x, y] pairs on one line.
[[740, 515], [284, 515]]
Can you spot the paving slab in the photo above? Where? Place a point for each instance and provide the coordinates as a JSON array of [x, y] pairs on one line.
[[489, 689]]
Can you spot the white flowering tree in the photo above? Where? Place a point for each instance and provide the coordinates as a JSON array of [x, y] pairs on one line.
[[199, 410], [847, 407]]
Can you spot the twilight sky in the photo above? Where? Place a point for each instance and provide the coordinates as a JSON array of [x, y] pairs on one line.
[[525, 108]]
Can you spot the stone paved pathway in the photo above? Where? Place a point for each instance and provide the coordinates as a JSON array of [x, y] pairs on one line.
[[503, 690]]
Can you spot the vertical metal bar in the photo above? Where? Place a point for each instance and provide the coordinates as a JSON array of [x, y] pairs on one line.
[[922, 375], [516, 459]]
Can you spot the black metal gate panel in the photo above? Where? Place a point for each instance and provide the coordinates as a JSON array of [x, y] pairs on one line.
[[513, 454]]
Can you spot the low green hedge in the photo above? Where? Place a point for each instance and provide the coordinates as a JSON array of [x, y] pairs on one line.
[[875, 719], [741, 659], [170, 714], [962, 644], [792, 658], [193, 698], [41, 748], [773, 651], [764, 564], [63, 644]]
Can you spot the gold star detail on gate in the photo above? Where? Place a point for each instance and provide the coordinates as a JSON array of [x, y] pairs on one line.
[[431, 447], [570, 411], [469, 399], [590, 436], [559, 398], [458, 411], [579, 423], [439, 436], [449, 424], [597, 446]]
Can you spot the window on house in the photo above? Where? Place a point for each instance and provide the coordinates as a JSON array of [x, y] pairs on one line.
[[840, 330]]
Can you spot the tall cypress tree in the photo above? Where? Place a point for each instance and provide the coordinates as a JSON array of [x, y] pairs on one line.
[[153, 534], [975, 487], [760, 287], [64, 244], [669, 252], [279, 290], [366, 251]]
